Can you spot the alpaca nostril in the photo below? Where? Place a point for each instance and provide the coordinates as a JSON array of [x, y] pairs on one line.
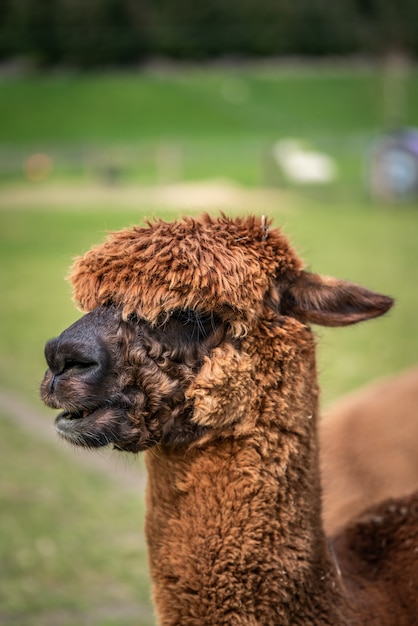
[[64, 357], [77, 365]]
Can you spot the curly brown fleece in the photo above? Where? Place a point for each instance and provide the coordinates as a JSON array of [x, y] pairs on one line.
[[216, 265], [234, 515]]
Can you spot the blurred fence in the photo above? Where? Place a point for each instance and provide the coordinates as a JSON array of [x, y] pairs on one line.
[[250, 162], [110, 164]]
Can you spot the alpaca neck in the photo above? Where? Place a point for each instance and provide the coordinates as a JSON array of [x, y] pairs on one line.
[[234, 525]]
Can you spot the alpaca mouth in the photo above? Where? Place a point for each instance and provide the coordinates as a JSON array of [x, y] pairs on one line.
[[74, 415], [69, 421], [80, 427]]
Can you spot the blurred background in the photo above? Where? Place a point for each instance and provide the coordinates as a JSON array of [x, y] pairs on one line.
[[116, 110]]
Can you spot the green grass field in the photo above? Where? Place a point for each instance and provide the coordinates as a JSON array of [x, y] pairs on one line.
[[71, 544], [194, 124], [194, 104]]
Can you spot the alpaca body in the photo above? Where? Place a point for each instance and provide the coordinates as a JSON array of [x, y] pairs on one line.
[[368, 445], [378, 557], [216, 561], [234, 528], [214, 558], [197, 350], [233, 524]]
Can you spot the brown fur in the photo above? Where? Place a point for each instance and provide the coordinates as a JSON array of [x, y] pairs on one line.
[[369, 448], [198, 334], [225, 266], [378, 554]]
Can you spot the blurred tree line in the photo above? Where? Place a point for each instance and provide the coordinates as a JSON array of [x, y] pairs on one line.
[[98, 32]]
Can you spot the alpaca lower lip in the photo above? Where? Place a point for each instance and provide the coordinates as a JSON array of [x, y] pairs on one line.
[[80, 429], [65, 421]]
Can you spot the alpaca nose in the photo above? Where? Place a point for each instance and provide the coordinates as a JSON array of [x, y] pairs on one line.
[[80, 361], [78, 352], [63, 356]]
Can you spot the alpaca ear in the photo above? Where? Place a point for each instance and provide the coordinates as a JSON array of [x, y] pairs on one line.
[[330, 302]]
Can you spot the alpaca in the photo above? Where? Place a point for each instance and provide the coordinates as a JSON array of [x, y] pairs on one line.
[[196, 348], [368, 444]]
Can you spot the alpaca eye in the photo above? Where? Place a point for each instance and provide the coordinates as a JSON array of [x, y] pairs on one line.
[[199, 324]]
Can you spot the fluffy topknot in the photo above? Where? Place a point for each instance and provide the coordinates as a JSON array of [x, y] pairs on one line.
[[218, 265]]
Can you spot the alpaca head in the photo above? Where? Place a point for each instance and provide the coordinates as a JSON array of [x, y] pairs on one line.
[[160, 356]]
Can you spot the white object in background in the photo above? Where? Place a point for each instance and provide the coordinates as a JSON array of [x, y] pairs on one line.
[[303, 166]]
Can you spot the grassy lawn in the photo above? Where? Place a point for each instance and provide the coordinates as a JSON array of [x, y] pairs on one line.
[[72, 546], [195, 124], [210, 103]]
